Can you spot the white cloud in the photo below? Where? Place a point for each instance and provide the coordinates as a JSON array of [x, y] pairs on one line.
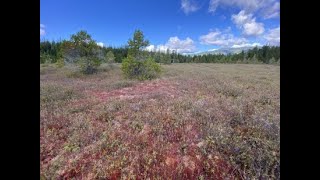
[[174, 43], [273, 36], [268, 8], [247, 23], [42, 31], [150, 48], [181, 46], [188, 6], [162, 48], [241, 18], [249, 5], [253, 29], [272, 11], [219, 39], [246, 45], [100, 44]]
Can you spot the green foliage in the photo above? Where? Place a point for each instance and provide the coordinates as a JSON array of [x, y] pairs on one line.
[[45, 58], [83, 42], [137, 43], [144, 70], [151, 69], [254, 59], [166, 59], [50, 50], [119, 52], [136, 65], [60, 63], [272, 60], [83, 50], [89, 65], [82, 45], [110, 57]]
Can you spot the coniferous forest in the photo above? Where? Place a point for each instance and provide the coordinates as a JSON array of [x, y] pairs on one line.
[[50, 52]]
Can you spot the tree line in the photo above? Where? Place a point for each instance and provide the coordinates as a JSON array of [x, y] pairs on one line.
[[51, 52]]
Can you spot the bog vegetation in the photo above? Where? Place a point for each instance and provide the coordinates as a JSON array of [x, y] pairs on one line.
[[193, 120], [196, 121]]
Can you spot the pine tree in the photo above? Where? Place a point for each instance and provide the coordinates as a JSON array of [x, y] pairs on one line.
[[137, 44], [136, 65], [83, 49]]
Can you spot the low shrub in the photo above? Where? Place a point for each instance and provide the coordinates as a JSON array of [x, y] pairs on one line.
[[89, 65], [60, 62], [142, 70]]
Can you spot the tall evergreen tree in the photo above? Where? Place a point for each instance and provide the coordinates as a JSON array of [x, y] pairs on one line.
[[136, 44]]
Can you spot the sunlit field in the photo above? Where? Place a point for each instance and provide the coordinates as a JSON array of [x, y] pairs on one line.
[[197, 121]]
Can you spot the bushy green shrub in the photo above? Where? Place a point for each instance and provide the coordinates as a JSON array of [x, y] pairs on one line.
[[83, 51], [89, 65], [142, 70], [45, 58], [60, 62], [110, 57]]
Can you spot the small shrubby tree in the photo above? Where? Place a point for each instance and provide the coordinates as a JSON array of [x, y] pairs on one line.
[[254, 59], [110, 57], [60, 62], [45, 58], [272, 61], [137, 44], [142, 70], [84, 51], [137, 64]]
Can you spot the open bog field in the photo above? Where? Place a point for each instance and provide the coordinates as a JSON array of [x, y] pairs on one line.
[[197, 121]]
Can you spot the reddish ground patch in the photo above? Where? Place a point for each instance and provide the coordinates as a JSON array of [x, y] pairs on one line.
[[142, 89]]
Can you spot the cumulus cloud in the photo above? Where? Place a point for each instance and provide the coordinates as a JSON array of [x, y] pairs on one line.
[[100, 44], [181, 46], [247, 24], [253, 29], [273, 36], [176, 44], [221, 39], [189, 6], [42, 31], [150, 48], [249, 5], [267, 8], [272, 11]]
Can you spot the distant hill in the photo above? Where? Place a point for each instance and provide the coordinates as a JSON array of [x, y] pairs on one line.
[[224, 51]]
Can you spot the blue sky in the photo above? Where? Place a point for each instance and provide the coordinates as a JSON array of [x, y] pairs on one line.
[[183, 25]]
